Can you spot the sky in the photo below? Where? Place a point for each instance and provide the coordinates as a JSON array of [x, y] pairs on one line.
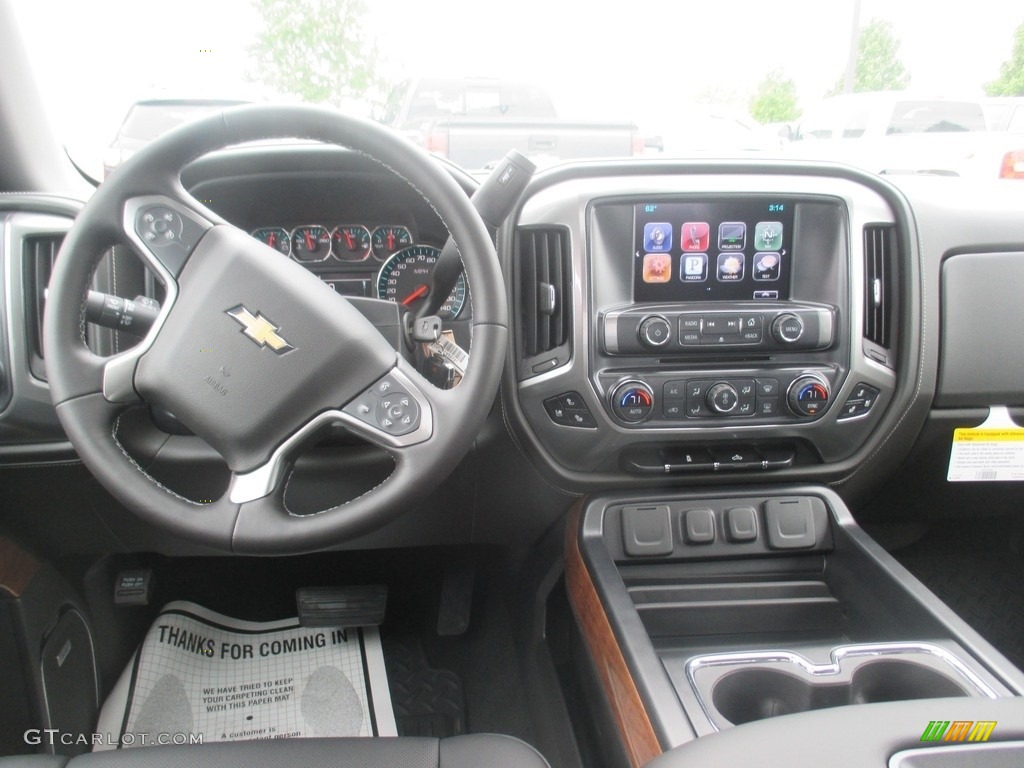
[[642, 60]]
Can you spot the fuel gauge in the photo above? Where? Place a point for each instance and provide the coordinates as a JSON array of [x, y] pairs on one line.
[[311, 244], [276, 237], [351, 242], [390, 239]]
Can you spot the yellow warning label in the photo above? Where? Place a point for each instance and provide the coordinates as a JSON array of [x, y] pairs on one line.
[[979, 434]]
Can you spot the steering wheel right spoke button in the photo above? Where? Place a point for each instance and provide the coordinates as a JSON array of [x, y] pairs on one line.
[[387, 406]]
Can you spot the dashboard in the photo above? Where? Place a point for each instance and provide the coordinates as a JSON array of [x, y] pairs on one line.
[[782, 326]]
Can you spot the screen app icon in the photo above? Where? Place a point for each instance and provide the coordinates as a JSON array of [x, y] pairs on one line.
[[657, 268], [768, 236], [694, 267], [694, 236], [767, 266], [732, 236], [658, 237], [731, 267]]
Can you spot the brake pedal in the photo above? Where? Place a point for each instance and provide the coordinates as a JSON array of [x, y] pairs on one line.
[[361, 606]]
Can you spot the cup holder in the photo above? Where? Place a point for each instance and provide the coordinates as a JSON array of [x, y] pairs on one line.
[[741, 688], [745, 695]]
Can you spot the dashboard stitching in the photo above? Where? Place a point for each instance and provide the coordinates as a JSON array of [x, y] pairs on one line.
[[519, 447], [920, 367], [143, 472]]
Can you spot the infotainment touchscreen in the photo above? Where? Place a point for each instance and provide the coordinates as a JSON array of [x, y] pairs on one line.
[[728, 249]]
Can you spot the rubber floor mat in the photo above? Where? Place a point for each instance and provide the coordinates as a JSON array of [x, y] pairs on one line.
[[426, 701], [200, 675], [985, 589]]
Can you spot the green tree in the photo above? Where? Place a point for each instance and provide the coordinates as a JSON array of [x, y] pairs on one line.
[[316, 50], [878, 66], [1011, 75], [775, 99]]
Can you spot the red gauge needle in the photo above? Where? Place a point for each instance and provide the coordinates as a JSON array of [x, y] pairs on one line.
[[391, 241], [272, 240], [420, 291], [309, 241], [350, 240]]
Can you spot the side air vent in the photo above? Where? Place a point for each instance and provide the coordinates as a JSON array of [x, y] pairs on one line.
[[40, 252], [879, 282], [545, 292]]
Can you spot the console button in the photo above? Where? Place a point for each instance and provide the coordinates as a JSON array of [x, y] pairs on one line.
[[737, 457], [787, 328], [655, 331], [690, 338], [741, 524], [767, 387], [809, 395], [569, 410], [689, 323], [699, 526], [859, 403], [632, 402], [674, 390], [722, 397], [767, 406], [647, 531], [790, 523], [583, 419], [572, 401], [719, 325], [696, 409], [674, 409]]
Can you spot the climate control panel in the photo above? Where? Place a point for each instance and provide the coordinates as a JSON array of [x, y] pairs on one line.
[[776, 396]]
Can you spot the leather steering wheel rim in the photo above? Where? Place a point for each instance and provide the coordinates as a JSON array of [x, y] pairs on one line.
[[233, 300]]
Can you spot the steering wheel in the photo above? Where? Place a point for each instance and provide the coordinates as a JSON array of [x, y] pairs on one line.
[[253, 353]]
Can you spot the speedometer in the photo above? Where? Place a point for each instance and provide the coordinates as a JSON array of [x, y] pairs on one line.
[[405, 277]]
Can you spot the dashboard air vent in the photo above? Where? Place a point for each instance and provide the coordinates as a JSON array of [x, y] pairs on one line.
[[40, 252], [879, 259], [545, 289]]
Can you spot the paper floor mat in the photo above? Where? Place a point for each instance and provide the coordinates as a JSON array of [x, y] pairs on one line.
[[201, 676]]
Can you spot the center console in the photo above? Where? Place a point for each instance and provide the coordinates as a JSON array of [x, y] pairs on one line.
[[729, 609], [695, 325]]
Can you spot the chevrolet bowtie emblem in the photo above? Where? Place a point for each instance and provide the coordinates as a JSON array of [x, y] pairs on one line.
[[260, 330]]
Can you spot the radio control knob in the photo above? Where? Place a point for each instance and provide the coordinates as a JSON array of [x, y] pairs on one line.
[[787, 328], [722, 397], [632, 402], [655, 331], [809, 395]]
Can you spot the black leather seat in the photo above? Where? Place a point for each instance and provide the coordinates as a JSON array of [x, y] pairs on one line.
[[473, 751]]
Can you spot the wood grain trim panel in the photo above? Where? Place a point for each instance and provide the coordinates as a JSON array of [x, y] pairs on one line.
[[631, 719], [17, 568]]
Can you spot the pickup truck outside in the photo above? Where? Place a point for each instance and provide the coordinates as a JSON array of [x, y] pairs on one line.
[[895, 132], [474, 121]]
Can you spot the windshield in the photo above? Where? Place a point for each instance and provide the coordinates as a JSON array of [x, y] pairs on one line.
[[589, 79]]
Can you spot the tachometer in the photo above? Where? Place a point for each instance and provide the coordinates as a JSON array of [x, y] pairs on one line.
[[276, 237], [405, 277], [311, 243], [351, 242], [389, 239]]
